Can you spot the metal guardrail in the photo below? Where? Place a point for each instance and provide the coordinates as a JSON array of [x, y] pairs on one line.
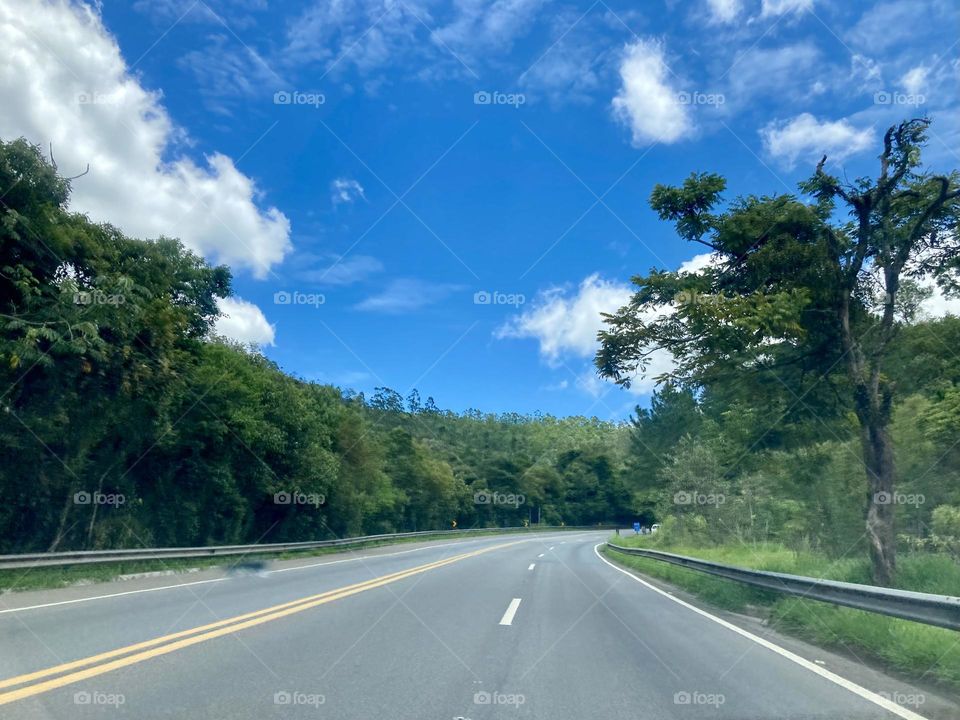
[[82, 557], [929, 609]]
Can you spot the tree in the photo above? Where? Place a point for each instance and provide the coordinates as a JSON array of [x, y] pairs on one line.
[[798, 292]]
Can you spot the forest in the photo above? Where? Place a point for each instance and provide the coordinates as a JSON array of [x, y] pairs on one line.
[[126, 422]]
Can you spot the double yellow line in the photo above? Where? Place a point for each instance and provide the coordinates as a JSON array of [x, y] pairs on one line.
[[78, 670]]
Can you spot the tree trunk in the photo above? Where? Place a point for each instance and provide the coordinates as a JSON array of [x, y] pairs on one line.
[[873, 400], [879, 461], [878, 456]]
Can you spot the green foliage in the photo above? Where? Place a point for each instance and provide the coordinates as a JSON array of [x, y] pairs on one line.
[[118, 389]]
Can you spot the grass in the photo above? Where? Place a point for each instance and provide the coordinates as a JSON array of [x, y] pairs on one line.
[[919, 651], [42, 578]]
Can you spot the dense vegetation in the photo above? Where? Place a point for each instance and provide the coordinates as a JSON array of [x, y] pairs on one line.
[[800, 312], [125, 423]]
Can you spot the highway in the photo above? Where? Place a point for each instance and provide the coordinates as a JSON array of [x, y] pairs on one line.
[[518, 626]]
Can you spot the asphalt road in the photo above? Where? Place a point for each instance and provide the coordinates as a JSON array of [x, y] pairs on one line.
[[511, 627]]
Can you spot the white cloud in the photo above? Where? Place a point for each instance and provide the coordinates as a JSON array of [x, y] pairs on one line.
[[938, 304], [780, 73], [407, 295], [244, 322], [782, 7], [367, 34], [807, 136], [345, 190], [646, 101], [480, 25], [63, 80], [339, 270], [914, 81], [724, 11], [566, 324]]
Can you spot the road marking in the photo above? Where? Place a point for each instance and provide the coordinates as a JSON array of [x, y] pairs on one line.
[[551, 547], [194, 636], [507, 618], [540, 555], [111, 595], [216, 580], [532, 566], [873, 697]]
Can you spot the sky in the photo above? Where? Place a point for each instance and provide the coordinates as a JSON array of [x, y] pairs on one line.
[[415, 193]]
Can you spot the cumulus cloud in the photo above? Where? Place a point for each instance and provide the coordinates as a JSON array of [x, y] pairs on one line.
[[565, 324], [244, 322], [345, 190], [647, 103], [807, 136], [64, 81]]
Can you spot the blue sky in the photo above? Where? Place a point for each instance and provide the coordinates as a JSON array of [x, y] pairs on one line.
[[367, 168]]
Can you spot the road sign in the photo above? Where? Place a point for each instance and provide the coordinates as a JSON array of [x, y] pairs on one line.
[[636, 528]]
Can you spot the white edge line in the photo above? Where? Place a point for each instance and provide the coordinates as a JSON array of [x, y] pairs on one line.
[[783, 652], [112, 595], [507, 618]]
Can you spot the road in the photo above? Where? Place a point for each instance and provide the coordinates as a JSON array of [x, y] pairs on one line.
[[524, 626]]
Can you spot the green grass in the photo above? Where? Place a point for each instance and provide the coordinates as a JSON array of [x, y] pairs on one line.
[[41, 578], [920, 651]]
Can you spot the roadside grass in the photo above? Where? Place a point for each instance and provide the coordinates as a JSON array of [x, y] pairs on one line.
[[42, 578], [917, 650]]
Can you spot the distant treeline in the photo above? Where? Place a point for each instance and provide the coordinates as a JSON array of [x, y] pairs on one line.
[[126, 423]]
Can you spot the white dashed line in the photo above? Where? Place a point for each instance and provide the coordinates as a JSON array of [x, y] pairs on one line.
[[507, 618]]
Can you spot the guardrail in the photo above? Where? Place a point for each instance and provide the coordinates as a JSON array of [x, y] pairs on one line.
[[82, 557], [929, 609]]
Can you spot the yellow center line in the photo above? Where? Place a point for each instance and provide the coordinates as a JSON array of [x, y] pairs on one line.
[[206, 632]]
